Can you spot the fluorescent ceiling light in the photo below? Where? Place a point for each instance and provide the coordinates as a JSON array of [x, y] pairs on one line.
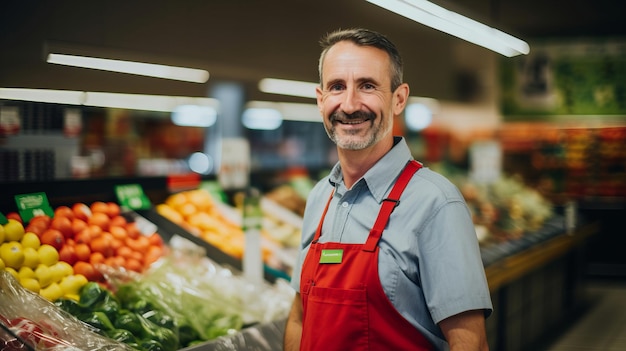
[[159, 103], [288, 87], [66, 97], [139, 68], [194, 116], [289, 111], [261, 118], [450, 22]]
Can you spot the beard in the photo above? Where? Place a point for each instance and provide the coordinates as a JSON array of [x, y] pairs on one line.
[[356, 139]]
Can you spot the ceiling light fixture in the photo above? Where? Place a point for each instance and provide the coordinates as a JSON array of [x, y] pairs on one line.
[[139, 68], [186, 110], [288, 87], [450, 22]]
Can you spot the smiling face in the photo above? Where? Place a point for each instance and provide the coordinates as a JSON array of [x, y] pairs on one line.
[[355, 96]]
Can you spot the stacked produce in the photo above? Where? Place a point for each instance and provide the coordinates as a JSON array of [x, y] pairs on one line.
[[182, 300], [506, 208], [35, 265], [219, 225], [55, 256]]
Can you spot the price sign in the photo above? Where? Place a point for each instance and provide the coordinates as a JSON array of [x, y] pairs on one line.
[[132, 196], [32, 205]]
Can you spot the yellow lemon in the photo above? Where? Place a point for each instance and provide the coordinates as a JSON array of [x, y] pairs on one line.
[[31, 257], [71, 284], [31, 284], [13, 230], [12, 254], [60, 270], [31, 240], [52, 292], [2, 266], [2, 235], [75, 297], [48, 255], [44, 275], [25, 272]]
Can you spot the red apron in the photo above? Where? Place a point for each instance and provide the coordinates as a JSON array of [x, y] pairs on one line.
[[344, 304]]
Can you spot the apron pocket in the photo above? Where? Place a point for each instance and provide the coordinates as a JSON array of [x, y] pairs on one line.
[[332, 309]]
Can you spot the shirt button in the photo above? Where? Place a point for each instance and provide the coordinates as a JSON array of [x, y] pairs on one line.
[[345, 204]]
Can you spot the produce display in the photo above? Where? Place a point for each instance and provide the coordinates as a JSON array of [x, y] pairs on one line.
[[505, 209], [122, 282], [221, 226], [36, 266], [55, 256], [30, 322]]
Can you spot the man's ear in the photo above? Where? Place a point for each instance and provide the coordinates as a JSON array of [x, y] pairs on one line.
[[319, 94], [400, 97]]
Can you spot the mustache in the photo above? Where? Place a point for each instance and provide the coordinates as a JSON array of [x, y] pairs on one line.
[[342, 116]]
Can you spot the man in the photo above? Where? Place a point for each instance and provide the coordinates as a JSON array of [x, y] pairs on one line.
[[389, 259]]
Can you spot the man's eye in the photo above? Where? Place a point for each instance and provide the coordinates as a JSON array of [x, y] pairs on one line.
[[336, 87], [368, 87]]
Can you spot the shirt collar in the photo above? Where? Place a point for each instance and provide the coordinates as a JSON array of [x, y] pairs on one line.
[[381, 177]]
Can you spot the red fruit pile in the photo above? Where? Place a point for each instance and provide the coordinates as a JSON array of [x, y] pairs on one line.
[[97, 234]]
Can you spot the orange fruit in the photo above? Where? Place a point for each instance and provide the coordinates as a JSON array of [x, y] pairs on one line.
[[124, 251], [94, 230], [78, 225], [133, 265], [141, 244], [103, 245], [81, 211], [63, 211], [44, 219], [118, 221], [15, 216], [64, 225], [115, 261], [100, 219], [83, 237], [53, 237], [155, 239], [68, 254], [113, 209], [152, 255], [96, 257], [99, 207], [88, 270], [83, 252], [133, 230], [118, 232]]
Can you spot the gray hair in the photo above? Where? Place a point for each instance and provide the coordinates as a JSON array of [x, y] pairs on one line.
[[365, 37]]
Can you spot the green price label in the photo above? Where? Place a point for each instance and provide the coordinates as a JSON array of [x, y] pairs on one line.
[[32, 205], [131, 196]]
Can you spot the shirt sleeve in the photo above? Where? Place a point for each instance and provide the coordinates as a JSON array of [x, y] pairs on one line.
[[451, 268]]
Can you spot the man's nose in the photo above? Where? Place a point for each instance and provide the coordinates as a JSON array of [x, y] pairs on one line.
[[351, 100]]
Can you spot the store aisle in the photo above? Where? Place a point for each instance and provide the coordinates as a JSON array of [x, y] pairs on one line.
[[602, 325]]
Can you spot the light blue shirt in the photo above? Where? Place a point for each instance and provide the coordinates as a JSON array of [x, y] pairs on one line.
[[430, 263]]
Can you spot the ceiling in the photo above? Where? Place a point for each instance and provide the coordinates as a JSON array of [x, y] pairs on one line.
[[246, 40]]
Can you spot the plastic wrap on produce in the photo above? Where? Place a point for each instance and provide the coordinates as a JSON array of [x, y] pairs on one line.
[[40, 325], [212, 300], [263, 337]]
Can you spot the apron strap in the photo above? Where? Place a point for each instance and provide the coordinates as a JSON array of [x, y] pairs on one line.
[[389, 204], [318, 231]]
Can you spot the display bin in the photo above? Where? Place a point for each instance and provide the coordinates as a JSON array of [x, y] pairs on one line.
[[169, 229]]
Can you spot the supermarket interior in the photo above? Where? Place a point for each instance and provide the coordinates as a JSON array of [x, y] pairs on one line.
[[165, 213]]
